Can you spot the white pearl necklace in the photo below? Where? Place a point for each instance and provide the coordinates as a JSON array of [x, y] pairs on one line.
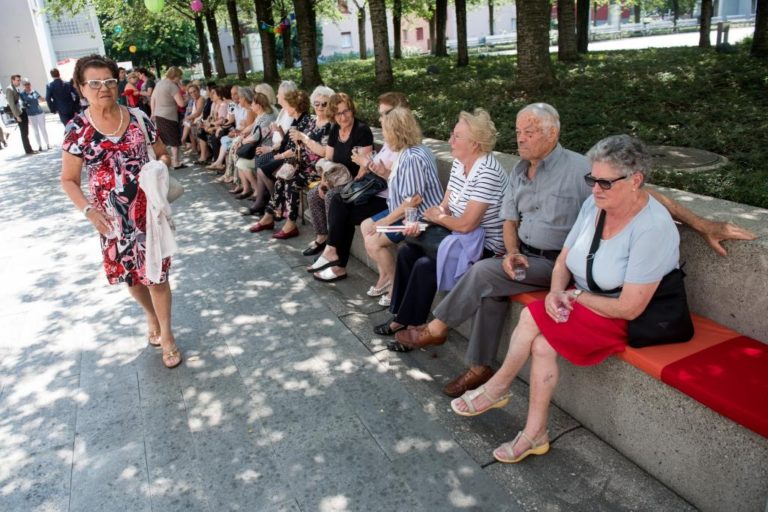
[[119, 127]]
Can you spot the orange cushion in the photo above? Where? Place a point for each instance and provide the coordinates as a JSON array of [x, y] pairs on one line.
[[730, 378], [528, 297], [652, 360]]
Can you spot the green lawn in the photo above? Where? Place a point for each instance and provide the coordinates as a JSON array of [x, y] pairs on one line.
[[676, 96]]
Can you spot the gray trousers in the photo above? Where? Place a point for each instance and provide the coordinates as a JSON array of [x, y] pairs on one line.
[[483, 293]]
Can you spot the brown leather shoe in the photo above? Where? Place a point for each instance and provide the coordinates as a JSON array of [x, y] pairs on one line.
[[467, 382], [419, 337]]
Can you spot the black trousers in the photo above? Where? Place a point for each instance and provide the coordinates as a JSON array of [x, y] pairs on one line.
[[24, 128], [414, 286], [342, 219], [65, 118]]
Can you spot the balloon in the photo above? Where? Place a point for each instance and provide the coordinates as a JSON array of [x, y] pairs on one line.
[[132, 48], [196, 5], [264, 26], [154, 5], [293, 16], [118, 29]]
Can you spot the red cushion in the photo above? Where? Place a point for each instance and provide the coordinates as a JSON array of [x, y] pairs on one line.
[[730, 377], [526, 298]]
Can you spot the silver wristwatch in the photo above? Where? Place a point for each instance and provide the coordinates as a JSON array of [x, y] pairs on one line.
[[87, 209]]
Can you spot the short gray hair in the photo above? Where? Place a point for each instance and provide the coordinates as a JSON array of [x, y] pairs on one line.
[[321, 90], [287, 86], [267, 91], [545, 113], [246, 93], [624, 153]]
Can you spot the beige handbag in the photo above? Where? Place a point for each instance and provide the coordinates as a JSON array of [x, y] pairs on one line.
[[335, 175]]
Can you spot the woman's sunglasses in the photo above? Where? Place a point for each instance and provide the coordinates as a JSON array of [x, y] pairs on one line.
[[601, 182], [320, 104]]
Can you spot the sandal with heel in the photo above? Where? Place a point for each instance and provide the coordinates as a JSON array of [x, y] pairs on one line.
[[506, 453]]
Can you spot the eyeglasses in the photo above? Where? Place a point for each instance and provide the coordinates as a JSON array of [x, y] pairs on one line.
[[601, 182], [343, 113], [320, 104], [457, 137], [110, 83]]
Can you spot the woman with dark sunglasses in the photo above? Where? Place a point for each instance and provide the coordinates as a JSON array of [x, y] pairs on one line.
[[638, 244]]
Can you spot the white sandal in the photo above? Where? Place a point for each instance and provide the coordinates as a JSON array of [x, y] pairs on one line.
[[506, 453], [469, 397], [378, 292]]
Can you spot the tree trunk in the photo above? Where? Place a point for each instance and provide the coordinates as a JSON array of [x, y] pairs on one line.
[[383, 64], [203, 41], [237, 37], [582, 25], [675, 13], [306, 27], [491, 21], [705, 23], [461, 33], [567, 49], [432, 19], [441, 20], [638, 12], [285, 36], [760, 39], [534, 68], [361, 32], [397, 29], [213, 33], [268, 46]]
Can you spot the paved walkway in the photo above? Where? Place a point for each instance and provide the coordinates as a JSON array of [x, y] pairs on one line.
[[285, 401]]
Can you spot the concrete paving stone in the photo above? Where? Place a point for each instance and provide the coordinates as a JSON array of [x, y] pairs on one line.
[[38, 426], [361, 325], [240, 475], [157, 384], [36, 482], [444, 477], [582, 473], [114, 480]]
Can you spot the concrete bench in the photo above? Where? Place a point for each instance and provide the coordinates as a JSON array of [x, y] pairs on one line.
[[472, 42], [500, 39], [712, 461]]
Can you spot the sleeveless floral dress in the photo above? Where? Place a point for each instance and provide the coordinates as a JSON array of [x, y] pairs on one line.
[[113, 165]]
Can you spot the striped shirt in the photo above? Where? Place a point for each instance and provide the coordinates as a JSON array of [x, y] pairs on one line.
[[416, 173], [486, 183]]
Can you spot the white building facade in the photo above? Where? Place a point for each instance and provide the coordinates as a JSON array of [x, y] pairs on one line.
[[32, 42]]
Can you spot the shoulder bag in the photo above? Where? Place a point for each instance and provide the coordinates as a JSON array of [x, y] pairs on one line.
[[361, 191], [666, 318]]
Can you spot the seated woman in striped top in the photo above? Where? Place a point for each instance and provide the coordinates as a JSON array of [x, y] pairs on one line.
[[412, 182], [472, 200]]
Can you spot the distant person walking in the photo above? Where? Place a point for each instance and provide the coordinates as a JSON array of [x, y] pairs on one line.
[[13, 98], [166, 100], [61, 98], [30, 98]]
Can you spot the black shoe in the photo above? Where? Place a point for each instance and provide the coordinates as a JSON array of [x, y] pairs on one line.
[[314, 248], [385, 329], [244, 195]]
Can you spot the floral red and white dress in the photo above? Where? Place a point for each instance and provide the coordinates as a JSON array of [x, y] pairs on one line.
[[113, 165]]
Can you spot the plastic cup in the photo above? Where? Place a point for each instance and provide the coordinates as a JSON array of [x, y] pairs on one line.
[[519, 272], [564, 313], [411, 216]]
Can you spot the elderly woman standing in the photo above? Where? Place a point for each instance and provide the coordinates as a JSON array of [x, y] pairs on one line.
[[412, 182], [166, 100], [31, 100], [109, 141], [639, 245], [472, 200]]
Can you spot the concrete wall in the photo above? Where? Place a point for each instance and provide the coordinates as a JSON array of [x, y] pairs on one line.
[[708, 459]]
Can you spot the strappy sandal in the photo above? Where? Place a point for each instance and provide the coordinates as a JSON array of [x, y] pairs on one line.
[[378, 292], [385, 329], [506, 454], [469, 397], [171, 356], [153, 338]]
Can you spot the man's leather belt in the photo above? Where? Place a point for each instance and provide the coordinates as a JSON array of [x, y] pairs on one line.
[[549, 254]]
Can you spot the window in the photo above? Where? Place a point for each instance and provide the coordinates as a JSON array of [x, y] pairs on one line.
[[68, 26], [420, 34], [405, 36], [346, 39], [75, 54], [229, 53]]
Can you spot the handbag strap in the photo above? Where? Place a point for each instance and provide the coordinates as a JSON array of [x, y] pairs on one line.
[[593, 287], [150, 149]]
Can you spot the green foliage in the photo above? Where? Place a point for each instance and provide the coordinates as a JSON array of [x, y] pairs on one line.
[[674, 96]]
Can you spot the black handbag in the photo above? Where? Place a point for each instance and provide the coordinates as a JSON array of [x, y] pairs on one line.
[[666, 318], [361, 191], [429, 240], [247, 151]]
